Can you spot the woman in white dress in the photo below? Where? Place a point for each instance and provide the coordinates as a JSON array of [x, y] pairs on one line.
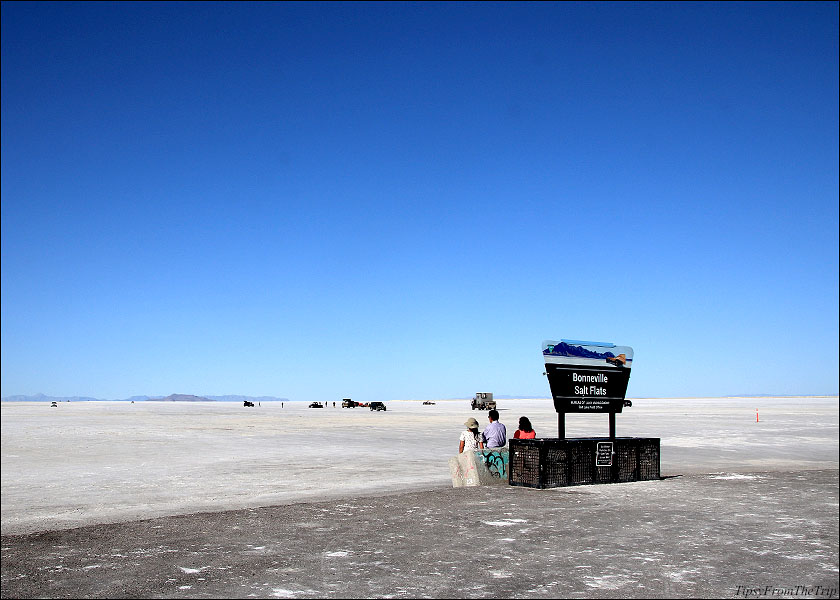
[[471, 438]]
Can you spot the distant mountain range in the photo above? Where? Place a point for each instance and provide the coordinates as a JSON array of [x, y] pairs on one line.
[[170, 398], [235, 398], [181, 398]]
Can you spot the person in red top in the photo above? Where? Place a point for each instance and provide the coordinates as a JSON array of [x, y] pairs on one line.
[[525, 431]]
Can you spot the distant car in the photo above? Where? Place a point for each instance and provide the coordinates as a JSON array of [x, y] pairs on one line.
[[348, 403], [316, 405], [248, 403], [483, 401], [378, 406], [428, 402]]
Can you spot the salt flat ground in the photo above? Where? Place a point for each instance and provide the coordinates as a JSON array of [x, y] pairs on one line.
[[106, 462], [101, 462], [105, 500]]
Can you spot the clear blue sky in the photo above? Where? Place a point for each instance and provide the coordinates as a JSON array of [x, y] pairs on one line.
[[404, 200]]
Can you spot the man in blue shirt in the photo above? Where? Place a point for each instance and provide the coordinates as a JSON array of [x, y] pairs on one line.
[[495, 434]]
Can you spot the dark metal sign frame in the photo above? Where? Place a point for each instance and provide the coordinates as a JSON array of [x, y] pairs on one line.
[[587, 377]]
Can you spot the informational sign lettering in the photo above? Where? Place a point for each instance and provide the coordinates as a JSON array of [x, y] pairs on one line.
[[587, 376], [604, 454]]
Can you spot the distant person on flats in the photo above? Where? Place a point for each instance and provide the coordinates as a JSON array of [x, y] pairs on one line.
[[495, 434], [525, 431], [471, 438]]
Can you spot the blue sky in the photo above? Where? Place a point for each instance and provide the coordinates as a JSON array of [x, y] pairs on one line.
[[404, 200]]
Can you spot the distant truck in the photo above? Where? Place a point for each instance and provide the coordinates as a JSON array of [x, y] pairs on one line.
[[618, 361], [377, 406], [348, 403], [483, 401], [248, 403]]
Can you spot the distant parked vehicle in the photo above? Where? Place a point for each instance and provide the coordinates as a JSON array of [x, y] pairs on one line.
[[348, 403], [483, 401], [316, 405], [53, 404], [378, 406], [248, 403], [428, 402]]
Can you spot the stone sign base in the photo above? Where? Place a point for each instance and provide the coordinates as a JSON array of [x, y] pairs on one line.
[[554, 462]]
